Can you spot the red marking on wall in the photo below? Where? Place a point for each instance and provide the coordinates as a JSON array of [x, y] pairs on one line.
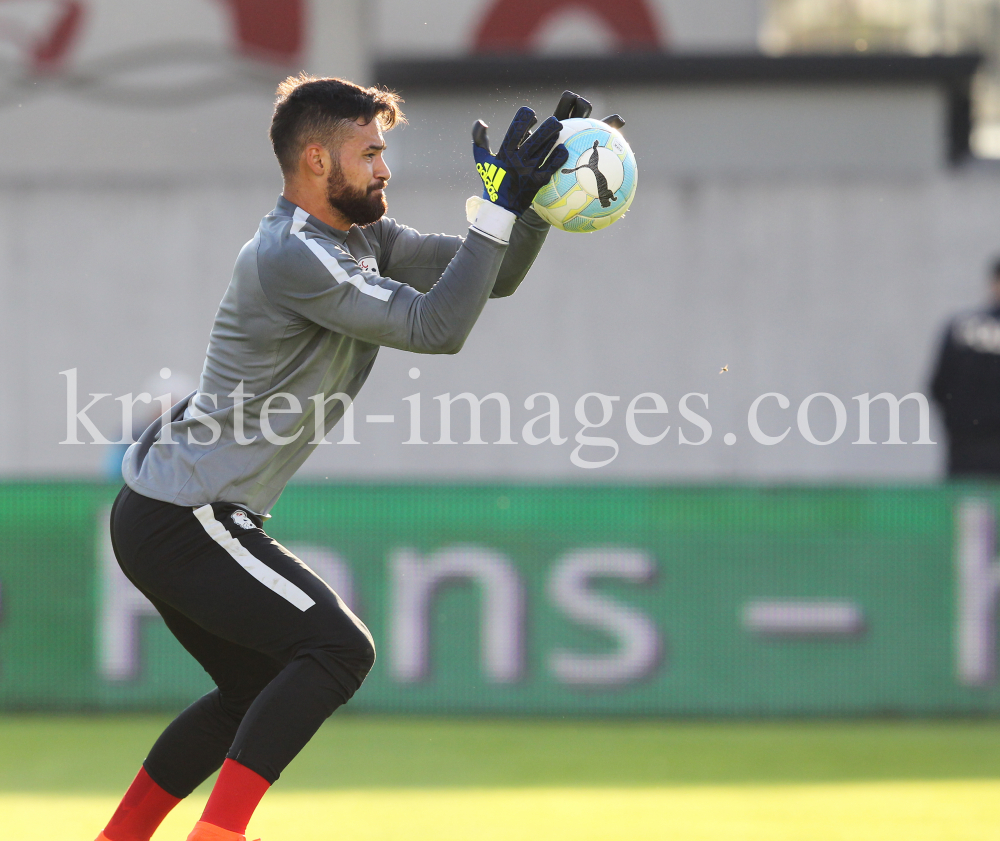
[[511, 25], [272, 30], [45, 52], [49, 52]]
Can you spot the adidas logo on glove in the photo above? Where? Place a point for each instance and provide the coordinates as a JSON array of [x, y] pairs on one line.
[[492, 175]]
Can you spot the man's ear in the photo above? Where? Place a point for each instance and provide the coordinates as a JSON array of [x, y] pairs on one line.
[[316, 160]]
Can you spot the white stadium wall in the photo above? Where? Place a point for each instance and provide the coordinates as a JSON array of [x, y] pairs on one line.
[[810, 239]]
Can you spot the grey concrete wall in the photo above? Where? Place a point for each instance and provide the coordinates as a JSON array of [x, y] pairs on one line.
[[812, 278], [714, 131]]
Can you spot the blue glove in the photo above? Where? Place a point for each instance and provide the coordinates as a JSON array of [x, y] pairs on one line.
[[523, 165]]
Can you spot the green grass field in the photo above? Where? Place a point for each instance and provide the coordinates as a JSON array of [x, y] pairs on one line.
[[370, 778]]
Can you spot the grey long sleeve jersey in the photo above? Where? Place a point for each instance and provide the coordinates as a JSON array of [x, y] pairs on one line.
[[296, 336]]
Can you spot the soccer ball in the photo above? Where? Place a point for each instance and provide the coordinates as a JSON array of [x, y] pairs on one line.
[[596, 185]]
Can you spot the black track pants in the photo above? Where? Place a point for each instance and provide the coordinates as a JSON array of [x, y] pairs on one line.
[[282, 647]]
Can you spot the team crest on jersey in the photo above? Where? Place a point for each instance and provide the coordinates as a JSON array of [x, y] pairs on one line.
[[242, 520], [368, 264]]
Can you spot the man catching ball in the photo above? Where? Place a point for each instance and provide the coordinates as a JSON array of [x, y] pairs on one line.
[[326, 281]]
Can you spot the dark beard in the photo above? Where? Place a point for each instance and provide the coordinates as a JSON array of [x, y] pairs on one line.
[[362, 207]]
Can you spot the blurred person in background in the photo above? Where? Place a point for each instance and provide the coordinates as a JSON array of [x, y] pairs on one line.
[[966, 385]]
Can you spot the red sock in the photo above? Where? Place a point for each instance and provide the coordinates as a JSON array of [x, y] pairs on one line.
[[142, 809], [234, 797]]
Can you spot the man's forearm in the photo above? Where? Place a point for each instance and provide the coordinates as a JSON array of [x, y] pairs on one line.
[[440, 321], [526, 241]]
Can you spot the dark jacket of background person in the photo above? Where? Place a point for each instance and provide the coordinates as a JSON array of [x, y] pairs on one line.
[[966, 385]]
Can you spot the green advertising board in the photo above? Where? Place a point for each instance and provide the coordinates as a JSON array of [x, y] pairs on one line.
[[558, 600]]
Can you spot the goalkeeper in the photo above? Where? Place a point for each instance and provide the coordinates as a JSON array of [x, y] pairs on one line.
[[326, 281]]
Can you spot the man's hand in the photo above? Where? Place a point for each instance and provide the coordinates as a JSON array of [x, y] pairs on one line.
[[573, 105], [523, 165]]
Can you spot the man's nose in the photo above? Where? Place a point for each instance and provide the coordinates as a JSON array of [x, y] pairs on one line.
[[382, 170]]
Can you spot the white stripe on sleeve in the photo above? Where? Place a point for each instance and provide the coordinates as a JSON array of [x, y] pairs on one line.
[[259, 570], [332, 264]]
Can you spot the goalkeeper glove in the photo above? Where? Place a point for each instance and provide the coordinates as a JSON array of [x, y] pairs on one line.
[[522, 165], [573, 105]]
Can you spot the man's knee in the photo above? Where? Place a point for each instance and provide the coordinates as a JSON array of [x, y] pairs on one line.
[[360, 649], [368, 654], [347, 645]]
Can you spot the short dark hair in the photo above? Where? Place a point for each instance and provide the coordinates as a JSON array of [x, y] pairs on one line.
[[316, 110]]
